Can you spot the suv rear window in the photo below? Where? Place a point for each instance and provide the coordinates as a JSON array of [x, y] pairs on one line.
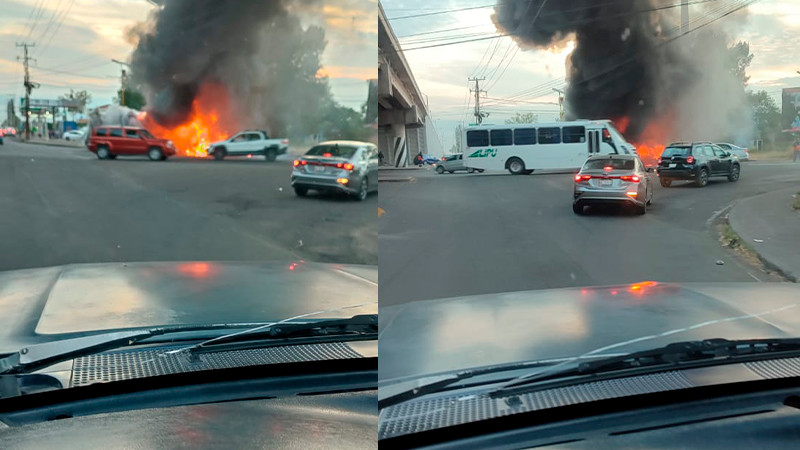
[[616, 164], [101, 132], [336, 151], [676, 151], [116, 132]]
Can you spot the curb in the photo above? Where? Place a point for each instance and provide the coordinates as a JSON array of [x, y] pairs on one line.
[[50, 144], [768, 262]]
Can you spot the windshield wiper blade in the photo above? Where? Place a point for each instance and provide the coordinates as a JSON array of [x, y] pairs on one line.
[[360, 325], [391, 396], [708, 351]]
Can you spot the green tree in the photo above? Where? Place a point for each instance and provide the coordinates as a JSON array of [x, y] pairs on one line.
[[739, 58], [766, 115], [133, 99], [339, 122], [523, 118]]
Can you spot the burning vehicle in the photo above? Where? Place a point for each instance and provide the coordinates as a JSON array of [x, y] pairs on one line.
[[626, 66]]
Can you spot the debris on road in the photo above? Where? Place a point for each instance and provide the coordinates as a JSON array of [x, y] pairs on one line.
[[758, 240], [720, 262]]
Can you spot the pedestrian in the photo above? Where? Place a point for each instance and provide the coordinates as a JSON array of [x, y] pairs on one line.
[[796, 148], [380, 158]]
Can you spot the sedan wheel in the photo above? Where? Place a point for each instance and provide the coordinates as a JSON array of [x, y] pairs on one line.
[[363, 190], [440, 170]]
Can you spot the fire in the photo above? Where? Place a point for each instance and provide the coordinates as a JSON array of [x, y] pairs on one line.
[[652, 141], [202, 128]]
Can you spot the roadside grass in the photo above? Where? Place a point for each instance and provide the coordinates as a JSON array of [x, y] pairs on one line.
[[796, 202], [730, 239]]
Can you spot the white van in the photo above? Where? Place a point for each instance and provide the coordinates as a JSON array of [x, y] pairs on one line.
[[523, 148]]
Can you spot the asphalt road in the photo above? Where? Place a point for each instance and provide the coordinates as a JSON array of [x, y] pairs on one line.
[[62, 205], [452, 235]]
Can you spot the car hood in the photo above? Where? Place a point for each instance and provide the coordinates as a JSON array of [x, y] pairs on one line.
[[430, 337], [40, 305]]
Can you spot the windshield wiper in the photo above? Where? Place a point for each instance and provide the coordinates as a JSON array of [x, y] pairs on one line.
[[683, 354], [38, 356]]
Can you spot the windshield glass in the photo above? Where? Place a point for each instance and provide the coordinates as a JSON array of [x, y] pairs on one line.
[[516, 255], [676, 151], [154, 218], [614, 163], [333, 151]]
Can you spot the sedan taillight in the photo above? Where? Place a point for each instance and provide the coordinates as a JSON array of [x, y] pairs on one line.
[[630, 178], [581, 178]]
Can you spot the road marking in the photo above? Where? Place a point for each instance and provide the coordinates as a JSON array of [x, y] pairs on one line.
[[754, 277]]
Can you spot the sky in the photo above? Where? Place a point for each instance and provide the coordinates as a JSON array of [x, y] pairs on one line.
[[76, 40], [772, 27]]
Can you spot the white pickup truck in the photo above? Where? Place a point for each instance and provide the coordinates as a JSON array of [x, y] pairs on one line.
[[250, 142]]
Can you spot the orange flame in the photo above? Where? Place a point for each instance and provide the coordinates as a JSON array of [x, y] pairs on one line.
[[652, 141], [203, 127]]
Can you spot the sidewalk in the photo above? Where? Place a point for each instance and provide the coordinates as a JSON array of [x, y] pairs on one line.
[[769, 225]]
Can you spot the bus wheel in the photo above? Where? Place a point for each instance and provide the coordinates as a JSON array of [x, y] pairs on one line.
[[515, 166]]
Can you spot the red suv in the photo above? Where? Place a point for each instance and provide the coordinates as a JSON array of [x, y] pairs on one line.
[[107, 142]]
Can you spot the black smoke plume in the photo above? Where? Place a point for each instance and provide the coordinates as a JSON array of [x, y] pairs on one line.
[[623, 64], [241, 45]]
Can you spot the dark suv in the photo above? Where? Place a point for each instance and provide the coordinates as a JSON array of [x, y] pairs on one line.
[[696, 161]]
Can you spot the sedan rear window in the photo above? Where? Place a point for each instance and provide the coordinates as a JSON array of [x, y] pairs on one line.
[[676, 151], [335, 151], [616, 164]]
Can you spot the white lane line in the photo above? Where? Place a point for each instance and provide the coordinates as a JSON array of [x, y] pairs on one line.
[[754, 277]]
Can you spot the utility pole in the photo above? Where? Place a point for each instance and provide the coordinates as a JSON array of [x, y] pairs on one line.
[[560, 104], [684, 16], [28, 87], [478, 115], [123, 80]]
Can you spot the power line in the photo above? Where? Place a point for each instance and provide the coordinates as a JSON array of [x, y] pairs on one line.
[[441, 12]]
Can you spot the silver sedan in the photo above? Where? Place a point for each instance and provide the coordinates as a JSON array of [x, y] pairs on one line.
[[349, 167], [613, 179]]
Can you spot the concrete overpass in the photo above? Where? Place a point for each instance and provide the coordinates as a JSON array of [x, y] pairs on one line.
[[402, 112]]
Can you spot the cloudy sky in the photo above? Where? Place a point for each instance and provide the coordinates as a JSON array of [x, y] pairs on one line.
[[772, 27], [76, 40]]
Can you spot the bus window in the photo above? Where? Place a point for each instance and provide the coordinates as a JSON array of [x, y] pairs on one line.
[[501, 137], [574, 135], [550, 135], [477, 138], [525, 136]]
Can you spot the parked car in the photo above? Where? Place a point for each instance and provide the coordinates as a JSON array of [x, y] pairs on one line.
[[741, 152], [696, 161], [74, 135], [613, 179], [350, 167], [251, 142], [108, 142], [453, 163]]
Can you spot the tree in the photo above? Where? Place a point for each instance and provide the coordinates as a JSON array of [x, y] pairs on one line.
[[133, 99], [523, 118], [83, 98], [766, 115], [739, 58], [340, 122]]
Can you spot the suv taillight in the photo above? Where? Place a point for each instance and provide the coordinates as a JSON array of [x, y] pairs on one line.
[[658, 161], [285, 142], [690, 159]]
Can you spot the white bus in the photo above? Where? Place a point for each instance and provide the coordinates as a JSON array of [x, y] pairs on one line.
[[523, 148]]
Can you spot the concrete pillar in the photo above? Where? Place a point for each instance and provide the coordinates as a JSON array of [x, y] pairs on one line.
[[398, 151]]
